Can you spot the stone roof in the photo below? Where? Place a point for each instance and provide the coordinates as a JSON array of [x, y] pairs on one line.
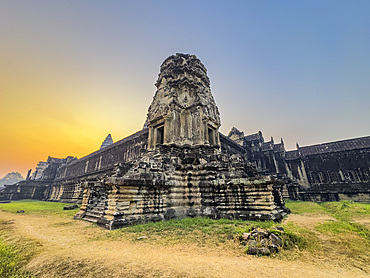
[[232, 142], [278, 147], [271, 146], [267, 146], [236, 135], [236, 131], [338, 146], [107, 141], [255, 136], [54, 160]]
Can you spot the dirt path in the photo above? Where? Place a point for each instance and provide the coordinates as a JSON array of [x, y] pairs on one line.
[[76, 249]]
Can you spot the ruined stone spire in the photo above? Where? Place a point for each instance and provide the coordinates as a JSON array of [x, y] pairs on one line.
[[183, 111], [236, 135], [107, 141]]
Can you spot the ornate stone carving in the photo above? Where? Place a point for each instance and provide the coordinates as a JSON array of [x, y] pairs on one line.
[[183, 105]]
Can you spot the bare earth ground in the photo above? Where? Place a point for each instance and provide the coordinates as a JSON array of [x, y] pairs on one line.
[[363, 221], [69, 248]]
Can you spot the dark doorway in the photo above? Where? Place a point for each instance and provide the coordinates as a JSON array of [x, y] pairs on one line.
[[211, 137], [160, 135]]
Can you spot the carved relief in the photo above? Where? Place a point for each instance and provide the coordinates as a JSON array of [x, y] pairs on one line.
[[183, 100]]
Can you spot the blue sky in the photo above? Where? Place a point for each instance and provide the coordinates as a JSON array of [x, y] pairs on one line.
[[73, 71]]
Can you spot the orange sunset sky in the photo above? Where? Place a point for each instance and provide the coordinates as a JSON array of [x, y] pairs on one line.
[[71, 72]]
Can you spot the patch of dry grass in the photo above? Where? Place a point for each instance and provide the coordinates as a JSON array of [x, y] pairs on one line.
[[15, 252]]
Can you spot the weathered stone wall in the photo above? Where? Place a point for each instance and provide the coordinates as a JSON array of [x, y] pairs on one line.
[[357, 192], [66, 184], [65, 191], [331, 172], [230, 147], [329, 168], [177, 183], [267, 157], [24, 190], [104, 160]]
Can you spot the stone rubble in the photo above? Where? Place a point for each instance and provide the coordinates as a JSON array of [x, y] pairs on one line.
[[262, 242]]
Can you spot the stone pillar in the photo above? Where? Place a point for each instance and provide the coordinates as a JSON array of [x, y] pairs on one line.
[[28, 174], [205, 130], [167, 126], [85, 200], [150, 138]]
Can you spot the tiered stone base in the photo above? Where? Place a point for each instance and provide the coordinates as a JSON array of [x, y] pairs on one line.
[[179, 190]]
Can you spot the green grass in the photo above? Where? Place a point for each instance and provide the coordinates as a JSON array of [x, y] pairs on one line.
[[209, 232], [344, 213], [298, 207], [335, 227], [339, 240], [203, 230], [38, 208], [199, 230], [203, 224], [14, 253], [11, 262], [299, 243], [346, 210]]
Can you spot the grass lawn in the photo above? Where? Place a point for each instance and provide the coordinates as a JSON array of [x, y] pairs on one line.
[[345, 214], [38, 208], [339, 238]]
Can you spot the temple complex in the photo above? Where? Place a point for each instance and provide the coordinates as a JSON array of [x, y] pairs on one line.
[[180, 165], [326, 172]]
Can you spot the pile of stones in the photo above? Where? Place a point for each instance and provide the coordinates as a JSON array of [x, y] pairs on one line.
[[263, 242]]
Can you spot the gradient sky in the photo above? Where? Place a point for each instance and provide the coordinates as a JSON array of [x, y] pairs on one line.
[[73, 71]]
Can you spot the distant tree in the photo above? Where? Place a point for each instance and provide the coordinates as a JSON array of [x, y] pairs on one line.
[[11, 178]]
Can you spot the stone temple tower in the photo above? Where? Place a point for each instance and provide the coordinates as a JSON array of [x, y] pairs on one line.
[[188, 169], [183, 111]]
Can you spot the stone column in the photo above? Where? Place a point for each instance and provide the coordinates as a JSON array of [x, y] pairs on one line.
[[167, 126], [150, 138]]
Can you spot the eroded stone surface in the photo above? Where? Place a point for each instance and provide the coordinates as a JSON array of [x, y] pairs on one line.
[[183, 111]]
